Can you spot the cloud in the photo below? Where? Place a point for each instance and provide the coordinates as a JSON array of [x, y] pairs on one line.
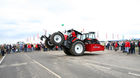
[[29, 17]]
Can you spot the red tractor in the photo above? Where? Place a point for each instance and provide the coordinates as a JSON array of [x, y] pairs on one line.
[[76, 43]]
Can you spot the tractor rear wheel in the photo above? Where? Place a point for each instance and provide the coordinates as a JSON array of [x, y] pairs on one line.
[[57, 38], [66, 51], [77, 48]]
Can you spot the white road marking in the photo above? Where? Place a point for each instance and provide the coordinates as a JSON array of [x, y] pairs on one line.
[[13, 65], [134, 74], [44, 67], [18, 64], [2, 59], [99, 66], [116, 66], [47, 69]]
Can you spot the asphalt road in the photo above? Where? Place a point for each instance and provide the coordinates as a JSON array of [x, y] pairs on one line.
[[55, 64]]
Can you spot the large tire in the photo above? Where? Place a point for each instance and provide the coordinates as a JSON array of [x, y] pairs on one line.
[[77, 48], [66, 51], [49, 44], [57, 38]]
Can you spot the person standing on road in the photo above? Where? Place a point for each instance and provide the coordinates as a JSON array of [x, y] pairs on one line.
[[29, 48], [127, 46], [13, 48], [108, 45], [139, 46], [116, 46], [25, 47], [132, 47], [32, 47], [2, 50], [123, 46]]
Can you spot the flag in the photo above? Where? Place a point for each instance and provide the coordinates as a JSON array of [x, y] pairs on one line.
[[112, 35], [30, 38], [38, 36], [27, 40], [34, 37], [83, 30], [45, 32], [118, 36], [97, 35]]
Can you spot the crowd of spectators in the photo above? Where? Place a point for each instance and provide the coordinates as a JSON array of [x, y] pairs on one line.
[[17, 48], [125, 46]]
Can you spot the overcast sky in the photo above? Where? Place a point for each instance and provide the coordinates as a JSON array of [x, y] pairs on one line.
[[20, 19]]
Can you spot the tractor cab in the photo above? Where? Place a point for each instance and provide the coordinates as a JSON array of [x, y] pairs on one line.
[[89, 38], [68, 34], [90, 35]]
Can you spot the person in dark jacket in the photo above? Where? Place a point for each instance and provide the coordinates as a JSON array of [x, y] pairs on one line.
[[123, 46], [139, 46], [2, 50], [132, 47], [25, 47]]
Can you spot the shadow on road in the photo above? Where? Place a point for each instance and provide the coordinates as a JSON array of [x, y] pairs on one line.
[[85, 54], [91, 54]]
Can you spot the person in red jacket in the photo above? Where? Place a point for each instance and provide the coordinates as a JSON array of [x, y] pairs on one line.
[[127, 46], [73, 34], [74, 37], [116, 46], [29, 47]]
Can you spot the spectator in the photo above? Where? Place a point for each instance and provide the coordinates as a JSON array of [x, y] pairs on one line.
[[25, 47], [17, 48], [132, 47], [8, 49], [127, 46], [20, 47], [108, 45], [36, 46], [32, 47], [56, 47], [123, 46], [13, 48], [29, 48], [113, 44], [39, 47], [2, 50], [139, 46], [116, 46]]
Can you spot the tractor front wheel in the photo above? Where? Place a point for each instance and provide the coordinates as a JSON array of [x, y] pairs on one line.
[[57, 38], [77, 48]]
